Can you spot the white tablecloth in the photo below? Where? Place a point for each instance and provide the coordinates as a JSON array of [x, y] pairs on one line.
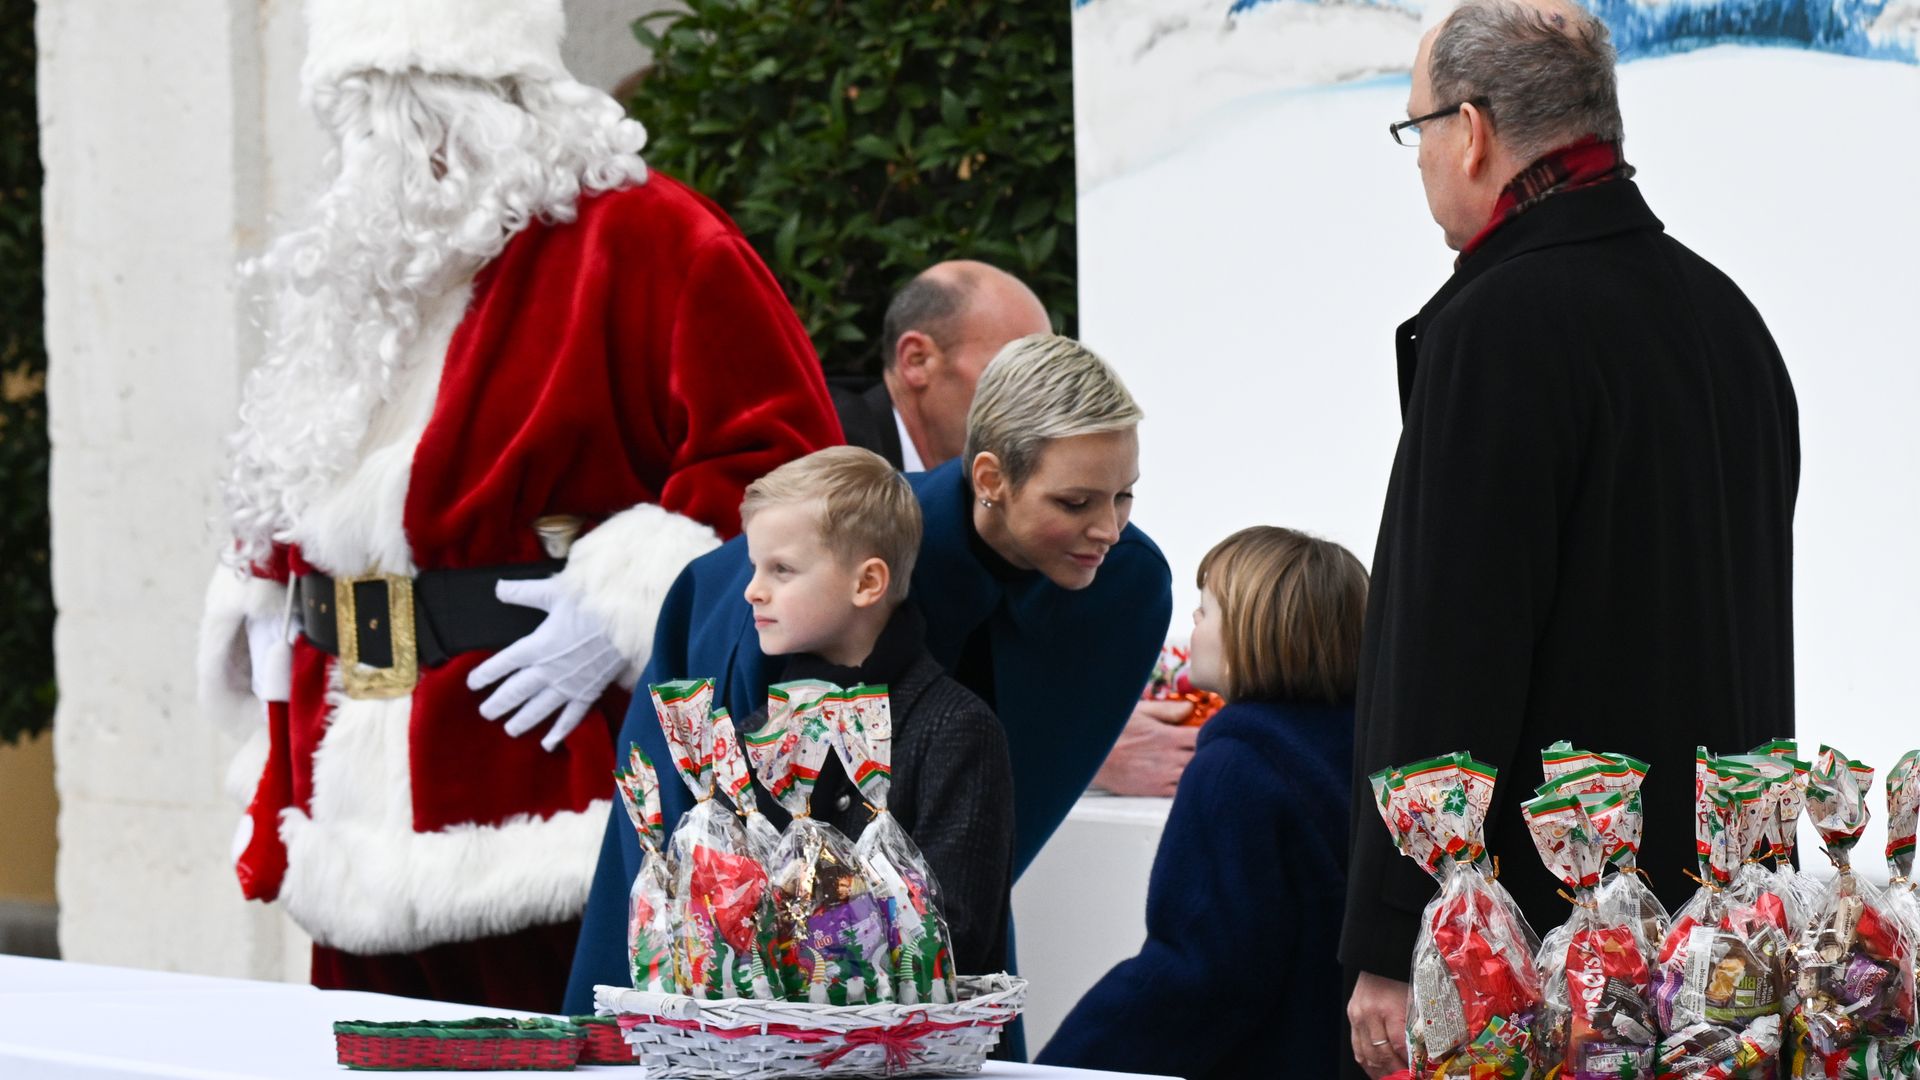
[[61, 1021]]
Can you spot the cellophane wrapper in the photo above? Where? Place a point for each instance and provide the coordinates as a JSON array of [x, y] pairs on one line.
[[920, 948], [730, 773], [1475, 996], [1595, 1021], [650, 928], [1720, 976], [1608, 785], [1761, 783], [722, 906], [1790, 800], [1853, 963], [832, 933]]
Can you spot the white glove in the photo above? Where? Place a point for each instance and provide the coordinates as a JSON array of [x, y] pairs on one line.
[[270, 655], [564, 664]]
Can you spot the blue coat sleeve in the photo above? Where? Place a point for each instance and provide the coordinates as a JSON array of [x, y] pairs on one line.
[[600, 955], [1217, 932]]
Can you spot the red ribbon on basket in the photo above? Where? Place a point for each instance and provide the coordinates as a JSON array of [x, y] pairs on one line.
[[901, 1041]]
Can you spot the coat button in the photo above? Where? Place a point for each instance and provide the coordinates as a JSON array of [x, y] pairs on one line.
[[843, 802]]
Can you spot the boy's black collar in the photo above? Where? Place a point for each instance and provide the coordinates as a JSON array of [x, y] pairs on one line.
[[900, 644]]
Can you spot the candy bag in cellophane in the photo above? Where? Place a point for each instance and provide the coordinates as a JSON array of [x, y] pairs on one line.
[[1719, 978], [832, 945], [1760, 783], [1595, 1021], [1475, 994], [730, 772], [1790, 799], [920, 948], [1623, 895], [650, 929], [722, 906], [1903, 813], [1853, 963]]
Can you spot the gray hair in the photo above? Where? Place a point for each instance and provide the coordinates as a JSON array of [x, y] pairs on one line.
[[927, 304], [1039, 388], [1545, 77]]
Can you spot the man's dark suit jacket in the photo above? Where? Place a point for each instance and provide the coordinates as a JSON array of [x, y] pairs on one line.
[[1588, 534], [866, 415]]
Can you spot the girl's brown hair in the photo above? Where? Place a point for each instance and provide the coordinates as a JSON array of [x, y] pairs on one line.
[[1291, 611]]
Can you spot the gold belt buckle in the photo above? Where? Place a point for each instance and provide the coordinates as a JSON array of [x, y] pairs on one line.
[[361, 681]]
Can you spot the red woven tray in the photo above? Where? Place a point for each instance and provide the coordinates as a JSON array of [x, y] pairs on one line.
[[605, 1044], [482, 1043]]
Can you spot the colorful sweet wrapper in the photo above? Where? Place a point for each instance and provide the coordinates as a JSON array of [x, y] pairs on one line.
[[1475, 994], [730, 772], [1719, 979], [920, 947], [832, 945], [1172, 681], [650, 927], [724, 925], [1853, 963], [1595, 1019]]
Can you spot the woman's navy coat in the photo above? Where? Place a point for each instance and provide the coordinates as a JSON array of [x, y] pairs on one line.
[[1067, 668]]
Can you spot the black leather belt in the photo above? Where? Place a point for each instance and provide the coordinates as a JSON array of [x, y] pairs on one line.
[[399, 624]]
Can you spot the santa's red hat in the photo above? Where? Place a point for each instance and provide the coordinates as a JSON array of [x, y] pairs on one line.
[[482, 39]]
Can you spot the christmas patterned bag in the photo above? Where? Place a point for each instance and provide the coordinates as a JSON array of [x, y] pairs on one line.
[[1853, 964], [1623, 896], [1720, 973], [832, 939], [730, 772], [1595, 1021], [723, 908], [1790, 799], [1475, 994], [920, 948], [650, 928]]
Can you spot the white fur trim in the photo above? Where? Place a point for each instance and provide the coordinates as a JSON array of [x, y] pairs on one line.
[[621, 571], [360, 879], [484, 39], [223, 668]]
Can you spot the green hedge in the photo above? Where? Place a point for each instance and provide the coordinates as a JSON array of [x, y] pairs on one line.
[[858, 141], [26, 592]]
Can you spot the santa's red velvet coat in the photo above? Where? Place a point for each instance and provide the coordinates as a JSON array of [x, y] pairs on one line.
[[637, 367]]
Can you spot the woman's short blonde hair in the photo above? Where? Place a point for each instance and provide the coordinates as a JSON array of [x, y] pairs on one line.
[[866, 509], [1291, 611], [1040, 388]]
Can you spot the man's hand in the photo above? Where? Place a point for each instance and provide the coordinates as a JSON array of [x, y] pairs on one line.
[[563, 665], [1152, 752], [1377, 1013]]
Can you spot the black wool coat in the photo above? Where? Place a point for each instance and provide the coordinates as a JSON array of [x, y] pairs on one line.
[[1588, 534]]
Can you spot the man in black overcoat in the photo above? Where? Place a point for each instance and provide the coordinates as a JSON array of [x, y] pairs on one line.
[[1588, 532]]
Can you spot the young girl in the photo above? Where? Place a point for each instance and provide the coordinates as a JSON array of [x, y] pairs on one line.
[[1238, 975]]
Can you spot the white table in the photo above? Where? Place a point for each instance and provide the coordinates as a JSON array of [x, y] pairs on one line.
[[61, 1021]]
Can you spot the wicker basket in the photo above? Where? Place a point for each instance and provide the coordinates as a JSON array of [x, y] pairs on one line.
[[485, 1043], [606, 1044], [682, 1038]]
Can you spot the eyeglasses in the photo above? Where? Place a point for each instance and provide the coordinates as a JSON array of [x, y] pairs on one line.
[[1407, 132]]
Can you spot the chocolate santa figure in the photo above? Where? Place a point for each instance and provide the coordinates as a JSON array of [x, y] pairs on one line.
[[512, 383]]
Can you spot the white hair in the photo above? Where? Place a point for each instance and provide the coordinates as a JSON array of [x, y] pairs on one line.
[[431, 175], [1039, 388]]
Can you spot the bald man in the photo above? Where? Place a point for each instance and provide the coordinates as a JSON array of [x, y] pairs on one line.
[[1588, 530], [941, 330]]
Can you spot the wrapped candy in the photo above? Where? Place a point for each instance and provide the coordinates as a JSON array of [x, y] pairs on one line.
[[1171, 681], [723, 912], [1853, 963], [1595, 1021], [1475, 993], [920, 948], [1623, 895], [730, 772], [832, 932], [650, 928], [1720, 974]]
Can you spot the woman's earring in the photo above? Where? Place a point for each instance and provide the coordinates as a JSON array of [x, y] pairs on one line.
[[988, 503]]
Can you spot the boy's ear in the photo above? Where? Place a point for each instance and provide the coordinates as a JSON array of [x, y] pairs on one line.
[[870, 582]]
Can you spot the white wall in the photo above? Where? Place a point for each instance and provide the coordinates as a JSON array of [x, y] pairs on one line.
[[174, 143]]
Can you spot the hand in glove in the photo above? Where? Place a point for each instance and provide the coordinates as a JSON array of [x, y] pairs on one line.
[[563, 665], [270, 656]]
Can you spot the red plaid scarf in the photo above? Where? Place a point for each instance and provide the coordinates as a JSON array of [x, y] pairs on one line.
[[1570, 168]]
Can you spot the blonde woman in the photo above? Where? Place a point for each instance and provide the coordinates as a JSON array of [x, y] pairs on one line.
[[1038, 596]]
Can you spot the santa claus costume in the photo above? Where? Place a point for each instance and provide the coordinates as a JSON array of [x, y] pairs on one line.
[[497, 336]]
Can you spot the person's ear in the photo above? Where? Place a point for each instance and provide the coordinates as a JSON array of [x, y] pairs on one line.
[[913, 357], [1478, 151], [870, 582], [989, 479]]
